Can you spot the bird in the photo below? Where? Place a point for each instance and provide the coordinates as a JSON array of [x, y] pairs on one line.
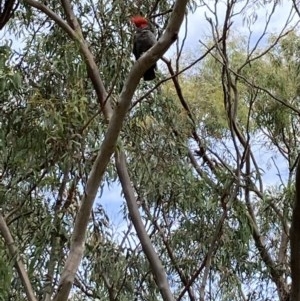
[[144, 39]]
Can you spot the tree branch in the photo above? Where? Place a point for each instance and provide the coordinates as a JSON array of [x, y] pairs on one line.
[[7, 11], [76, 35], [295, 242], [109, 144], [14, 253], [155, 263]]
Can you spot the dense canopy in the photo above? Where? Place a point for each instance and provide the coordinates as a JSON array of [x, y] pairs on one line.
[[204, 155]]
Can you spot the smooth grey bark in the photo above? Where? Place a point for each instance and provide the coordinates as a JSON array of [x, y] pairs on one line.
[[114, 126], [155, 263]]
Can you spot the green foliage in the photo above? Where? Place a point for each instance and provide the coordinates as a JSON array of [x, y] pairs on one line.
[[193, 159], [10, 79], [6, 274]]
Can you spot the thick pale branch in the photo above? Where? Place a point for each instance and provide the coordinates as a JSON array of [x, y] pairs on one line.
[[155, 263], [174, 261], [13, 251], [108, 147]]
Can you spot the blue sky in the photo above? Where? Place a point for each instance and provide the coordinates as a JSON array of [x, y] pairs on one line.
[[199, 27]]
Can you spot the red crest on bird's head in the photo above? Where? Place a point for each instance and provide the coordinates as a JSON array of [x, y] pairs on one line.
[[139, 21]]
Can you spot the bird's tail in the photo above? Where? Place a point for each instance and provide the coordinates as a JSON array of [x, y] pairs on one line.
[[150, 73]]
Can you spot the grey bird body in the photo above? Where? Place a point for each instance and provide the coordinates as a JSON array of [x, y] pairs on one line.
[[144, 39]]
